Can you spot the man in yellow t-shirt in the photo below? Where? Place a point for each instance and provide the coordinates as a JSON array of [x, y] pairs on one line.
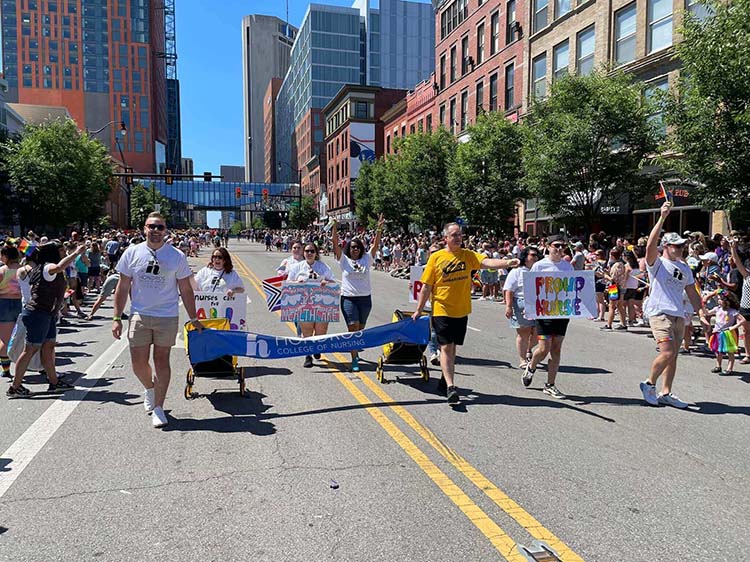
[[447, 280]]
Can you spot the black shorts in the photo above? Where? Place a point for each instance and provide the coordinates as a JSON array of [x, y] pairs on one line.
[[548, 328], [633, 294], [450, 330]]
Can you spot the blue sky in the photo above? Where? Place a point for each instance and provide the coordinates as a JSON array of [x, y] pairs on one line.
[[209, 66]]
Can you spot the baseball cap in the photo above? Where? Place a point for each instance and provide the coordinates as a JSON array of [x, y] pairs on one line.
[[672, 238], [556, 238], [710, 256]]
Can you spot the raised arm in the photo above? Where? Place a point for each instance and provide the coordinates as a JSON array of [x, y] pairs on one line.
[[60, 266], [378, 234], [737, 261], [652, 245], [335, 240]]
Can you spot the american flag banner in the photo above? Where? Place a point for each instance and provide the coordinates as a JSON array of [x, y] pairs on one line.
[[272, 290]]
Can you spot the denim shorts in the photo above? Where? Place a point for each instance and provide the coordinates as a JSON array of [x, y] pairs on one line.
[[9, 310], [356, 310], [40, 326]]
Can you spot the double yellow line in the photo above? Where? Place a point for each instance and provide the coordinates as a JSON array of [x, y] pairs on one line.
[[496, 535]]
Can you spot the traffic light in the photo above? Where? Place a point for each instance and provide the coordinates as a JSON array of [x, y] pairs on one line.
[[169, 180], [207, 176], [265, 195], [238, 193]]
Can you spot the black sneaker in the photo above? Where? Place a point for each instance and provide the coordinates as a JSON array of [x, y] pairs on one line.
[[316, 356], [442, 385], [21, 391], [605, 328], [621, 327], [308, 362], [453, 395], [7, 375], [60, 386]]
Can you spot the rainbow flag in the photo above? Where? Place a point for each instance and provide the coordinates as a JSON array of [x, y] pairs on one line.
[[26, 247]]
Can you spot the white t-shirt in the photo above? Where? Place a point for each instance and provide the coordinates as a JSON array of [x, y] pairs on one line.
[[209, 279], [155, 274], [668, 282], [514, 281], [548, 265], [355, 276], [284, 266], [302, 271]]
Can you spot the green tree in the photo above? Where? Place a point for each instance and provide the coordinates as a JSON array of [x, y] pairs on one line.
[[143, 201], [303, 216], [486, 176], [369, 175], [60, 175], [237, 227], [710, 111], [258, 223], [586, 144]]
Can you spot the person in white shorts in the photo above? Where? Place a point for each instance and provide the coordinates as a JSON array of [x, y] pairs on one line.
[[151, 274]]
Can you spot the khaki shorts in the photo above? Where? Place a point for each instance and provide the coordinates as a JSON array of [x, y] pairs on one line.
[[147, 330], [667, 328]]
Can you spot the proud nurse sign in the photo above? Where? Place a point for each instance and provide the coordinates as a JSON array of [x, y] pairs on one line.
[[563, 294]]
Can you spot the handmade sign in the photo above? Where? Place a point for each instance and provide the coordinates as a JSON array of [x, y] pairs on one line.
[[210, 344], [415, 285], [219, 305], [559, 294], [309, 302]]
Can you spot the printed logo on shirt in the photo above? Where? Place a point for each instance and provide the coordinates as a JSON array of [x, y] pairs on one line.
[[454, 267]]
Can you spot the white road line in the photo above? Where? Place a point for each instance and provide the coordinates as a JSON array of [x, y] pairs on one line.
[[27, 446], [475, 329]]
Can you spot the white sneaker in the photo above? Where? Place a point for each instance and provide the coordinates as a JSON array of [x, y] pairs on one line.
[[148, 400], [435, 359], [159, 418], [649, 393], [671, 400], [481, 299]]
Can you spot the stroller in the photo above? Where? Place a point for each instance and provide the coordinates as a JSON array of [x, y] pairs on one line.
[[221, 367], [403, 353]]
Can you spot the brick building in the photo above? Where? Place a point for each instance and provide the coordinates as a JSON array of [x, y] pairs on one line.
[[353, 135], [269, 130], [414, 113]]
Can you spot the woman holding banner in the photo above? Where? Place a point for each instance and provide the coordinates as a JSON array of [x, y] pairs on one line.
[[311, 269], [356, 292], [219, 275], [515, 305]]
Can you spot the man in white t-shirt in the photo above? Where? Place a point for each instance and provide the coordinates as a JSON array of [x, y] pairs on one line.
[[550, 332], [151, 274], [670, 277]]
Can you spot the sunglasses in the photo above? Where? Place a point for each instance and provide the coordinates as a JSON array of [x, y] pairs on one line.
[[158, 227], [309, 251], [357, 248], [558, 246], [217, 257]]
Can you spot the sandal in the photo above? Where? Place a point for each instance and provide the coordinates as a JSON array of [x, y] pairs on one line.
[[522, 365], [716, 370], [745, 360]]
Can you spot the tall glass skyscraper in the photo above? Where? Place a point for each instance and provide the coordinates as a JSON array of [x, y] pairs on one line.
[[391, 45]]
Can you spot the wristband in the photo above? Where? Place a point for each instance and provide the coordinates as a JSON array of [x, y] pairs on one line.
[[116, 319]]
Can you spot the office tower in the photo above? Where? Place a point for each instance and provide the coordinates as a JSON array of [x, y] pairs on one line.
[[266, 44], [104, 61]]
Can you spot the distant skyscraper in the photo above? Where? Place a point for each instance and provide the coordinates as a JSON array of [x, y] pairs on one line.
[[104, 61], [186, 166], [266, 44], [392, 46], [232, 173]]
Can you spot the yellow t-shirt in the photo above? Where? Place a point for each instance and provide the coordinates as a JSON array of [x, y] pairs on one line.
[[449, 275]]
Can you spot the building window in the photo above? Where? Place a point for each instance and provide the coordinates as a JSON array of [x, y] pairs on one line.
[[651, 93], [464, 109], [562, 7], [511, 24], [412, 129], [480, 98], [480, 44], [659, 24], [585, 47], [625, 35], [494, 33], [442, 72], [428, 122], [560, 60], [442, 115], [361, 110], [464, 55], [493, 92], [510, 86], [453, 116], [540, 14], [453, 64], [539, 76], [699, 10]]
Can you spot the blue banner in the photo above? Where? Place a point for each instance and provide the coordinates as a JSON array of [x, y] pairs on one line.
[[211, 344]]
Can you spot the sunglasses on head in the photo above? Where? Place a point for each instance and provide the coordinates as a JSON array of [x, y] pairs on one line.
[[159, 227]]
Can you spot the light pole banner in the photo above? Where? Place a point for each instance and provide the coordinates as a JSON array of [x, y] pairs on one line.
[[309, 302], [220, 305], [559, 294]]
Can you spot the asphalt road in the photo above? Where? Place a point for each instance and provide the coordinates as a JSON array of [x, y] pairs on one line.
[[321, 464]]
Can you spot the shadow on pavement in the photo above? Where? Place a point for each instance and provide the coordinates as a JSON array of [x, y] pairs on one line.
[[245, 415], [716, 408], [583, 370], [479, 362], [74, 343], [263, 371]]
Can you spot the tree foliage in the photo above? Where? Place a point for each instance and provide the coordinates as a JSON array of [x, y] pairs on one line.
[[586, 143], [143, 200], [60, 175], [303, 216], [485, 178], [710, 112]]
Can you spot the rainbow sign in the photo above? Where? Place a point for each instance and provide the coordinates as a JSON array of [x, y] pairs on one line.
[[559, 294], [218, 304]]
